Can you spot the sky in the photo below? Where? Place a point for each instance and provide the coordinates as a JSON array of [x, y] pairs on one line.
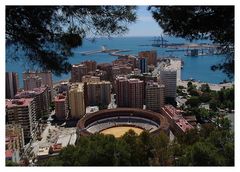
[[145, 24]]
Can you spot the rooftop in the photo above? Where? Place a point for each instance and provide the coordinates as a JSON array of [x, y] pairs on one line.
[[8, 153], [29, 94], [18, 102], [60, 98]]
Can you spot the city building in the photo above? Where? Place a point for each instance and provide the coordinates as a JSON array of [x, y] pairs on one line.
[[107, 68], [129, 92], [168, 77], [173, 64], [135, 93], [142, 64], [46, 77], [78, 71], [41, 98], [98, 93], [121, 70], [14, 142], [61, 87], [32, 82], [127, 60], [151, 56], [76, 100], [11, 84], [154, 96], [91, 65], [145, 77], [90, 78], [136, 71], [22, 112], [61, 106], [121, 91], [177, 123]]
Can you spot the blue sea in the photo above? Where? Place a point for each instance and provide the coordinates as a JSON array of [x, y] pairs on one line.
[[198, 68]]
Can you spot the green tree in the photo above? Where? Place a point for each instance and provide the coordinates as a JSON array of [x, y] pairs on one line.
[[47, 34], [194, 92], [11, 163], [205, 88], [193, 101], [192, 22], [213, 104], [202, 154], [131, 139], [160, 151], [205, 97]]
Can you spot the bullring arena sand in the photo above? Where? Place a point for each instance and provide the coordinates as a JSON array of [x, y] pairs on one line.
[[119, 131]]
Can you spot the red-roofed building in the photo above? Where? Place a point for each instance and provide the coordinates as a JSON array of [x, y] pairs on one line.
[[177, 122]]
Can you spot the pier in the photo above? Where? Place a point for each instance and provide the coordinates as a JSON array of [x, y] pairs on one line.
[[112, 52]]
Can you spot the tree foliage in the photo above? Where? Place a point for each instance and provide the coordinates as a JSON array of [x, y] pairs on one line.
[[209, 146], [201, 22], [47, 34]]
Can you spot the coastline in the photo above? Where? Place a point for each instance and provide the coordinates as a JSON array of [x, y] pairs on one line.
[[215, 87]]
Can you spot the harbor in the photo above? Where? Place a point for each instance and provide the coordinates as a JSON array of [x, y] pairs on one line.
[[112, 52]]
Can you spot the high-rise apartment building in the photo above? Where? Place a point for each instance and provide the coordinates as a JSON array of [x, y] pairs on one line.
[[142, 64], [135, 93], [91, 65], [107, 68], [77, 72], [41, 98], [98, 93], [61, 106], [168, 77], [151, 56], [11, 84], [154, 96], [32, 82], [129, 92], [23, 112], [46, 77], [76, 100], [122, 91]]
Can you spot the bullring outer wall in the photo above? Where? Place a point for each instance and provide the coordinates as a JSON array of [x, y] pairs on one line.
[[133, 112]]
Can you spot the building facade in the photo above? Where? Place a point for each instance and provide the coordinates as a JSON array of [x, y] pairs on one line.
[[142, 64], [46, 77], [90, 78], [11, 84], [61, 106], [169, 79], [154, 96], [98, 93], [151, 56], [129, 92], [41, 98], [135, 92], [178, 124], [32, 82], [76, 101], [121, 70], [91, 65], [78, 71], [22, 112]]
